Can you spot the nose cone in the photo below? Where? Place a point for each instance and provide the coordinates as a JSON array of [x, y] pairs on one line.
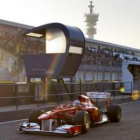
[[45, 116]]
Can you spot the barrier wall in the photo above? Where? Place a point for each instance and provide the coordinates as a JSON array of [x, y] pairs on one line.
[[23, 94]]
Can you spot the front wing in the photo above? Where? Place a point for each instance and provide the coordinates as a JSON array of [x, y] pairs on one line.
[[64, 129]]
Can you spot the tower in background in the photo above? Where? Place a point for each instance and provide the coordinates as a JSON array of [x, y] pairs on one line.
[[90, 20]]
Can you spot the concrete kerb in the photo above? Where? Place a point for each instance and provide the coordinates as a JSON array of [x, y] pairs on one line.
[[24, 112]]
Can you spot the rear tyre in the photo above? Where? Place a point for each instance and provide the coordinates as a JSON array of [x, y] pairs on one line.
[[34, 114], [83, 118], [114, 113]]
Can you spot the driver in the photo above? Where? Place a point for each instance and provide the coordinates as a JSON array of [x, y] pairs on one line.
[[76, 103]]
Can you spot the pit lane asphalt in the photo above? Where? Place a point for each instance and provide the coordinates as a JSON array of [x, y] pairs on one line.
[[127, 129]]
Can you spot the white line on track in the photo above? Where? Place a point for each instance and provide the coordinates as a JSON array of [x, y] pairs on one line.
[[129, 102], [13, 121]]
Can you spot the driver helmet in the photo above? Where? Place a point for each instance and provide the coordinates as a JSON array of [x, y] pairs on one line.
[[76, 103]]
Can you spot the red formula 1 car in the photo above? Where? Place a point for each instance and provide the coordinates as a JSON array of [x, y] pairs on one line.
[[73, 118]]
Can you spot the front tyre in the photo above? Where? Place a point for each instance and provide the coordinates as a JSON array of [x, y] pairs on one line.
[[114, 113], [83, 118], [34, 114]]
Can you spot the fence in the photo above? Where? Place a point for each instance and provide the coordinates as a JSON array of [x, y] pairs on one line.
[[17, 95]]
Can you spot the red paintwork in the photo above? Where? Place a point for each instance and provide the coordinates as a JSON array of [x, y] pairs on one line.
[[75, 129], [86, 104]]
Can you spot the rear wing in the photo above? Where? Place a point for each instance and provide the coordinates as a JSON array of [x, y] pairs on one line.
[[99, 95]]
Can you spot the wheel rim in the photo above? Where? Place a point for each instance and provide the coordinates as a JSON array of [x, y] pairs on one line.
[[87, 122], [119, 114]]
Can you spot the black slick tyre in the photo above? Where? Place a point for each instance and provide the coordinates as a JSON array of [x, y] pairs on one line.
[[83, 118], [34, 114], [114, 113]]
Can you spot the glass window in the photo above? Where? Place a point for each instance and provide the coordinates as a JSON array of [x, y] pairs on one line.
[[76, 50], [55, 41]]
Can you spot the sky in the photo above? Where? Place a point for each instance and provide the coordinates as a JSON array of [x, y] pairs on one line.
[[119, 20]]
